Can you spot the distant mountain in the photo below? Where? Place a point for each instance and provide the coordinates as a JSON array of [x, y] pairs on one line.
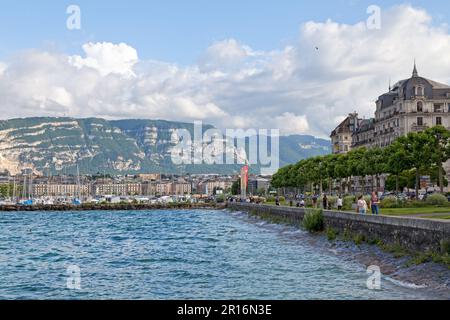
[[58, 145], [298, 147]]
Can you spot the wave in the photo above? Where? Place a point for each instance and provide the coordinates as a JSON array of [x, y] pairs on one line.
[[406, 284]]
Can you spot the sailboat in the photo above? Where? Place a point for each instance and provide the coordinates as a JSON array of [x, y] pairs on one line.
[[26, 198]]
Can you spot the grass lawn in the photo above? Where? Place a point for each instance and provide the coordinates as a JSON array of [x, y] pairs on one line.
[[415, 211], [426, 212]]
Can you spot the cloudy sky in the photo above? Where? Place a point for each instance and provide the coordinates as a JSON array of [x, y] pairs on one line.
[[297, 67]]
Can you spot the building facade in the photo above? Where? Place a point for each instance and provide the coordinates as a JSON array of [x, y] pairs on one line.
[[411, 105], [118, 189], [341, 137], [60, 190]]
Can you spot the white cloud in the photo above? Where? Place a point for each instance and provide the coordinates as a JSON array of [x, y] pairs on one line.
[[289, 123], [3, 67], [108, 58], [298, 89]]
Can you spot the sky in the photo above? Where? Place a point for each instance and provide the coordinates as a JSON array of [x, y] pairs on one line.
[[299, 66]]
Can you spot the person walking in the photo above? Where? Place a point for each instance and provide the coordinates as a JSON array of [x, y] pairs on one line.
[[302, 203], [361, 205], [339, 203], [314, 199], [374, 203], [325, 202]]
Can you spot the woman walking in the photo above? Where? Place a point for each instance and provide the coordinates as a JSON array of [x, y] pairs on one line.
[[362, 205], [374, 203]]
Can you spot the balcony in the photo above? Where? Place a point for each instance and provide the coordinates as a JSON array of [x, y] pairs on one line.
[[418, 128]]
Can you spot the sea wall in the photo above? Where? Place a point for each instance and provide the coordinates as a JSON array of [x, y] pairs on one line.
[[411, 233]]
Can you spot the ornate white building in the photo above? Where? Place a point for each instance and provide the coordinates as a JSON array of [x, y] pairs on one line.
[[411, 105]]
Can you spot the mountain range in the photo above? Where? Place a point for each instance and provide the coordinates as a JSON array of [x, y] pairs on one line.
[[93, 145]]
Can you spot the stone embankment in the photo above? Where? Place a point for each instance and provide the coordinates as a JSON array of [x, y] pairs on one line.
[[411, 233]]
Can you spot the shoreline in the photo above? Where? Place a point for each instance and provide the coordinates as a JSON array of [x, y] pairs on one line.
[[428, 276], [110, 207], [380, 241]]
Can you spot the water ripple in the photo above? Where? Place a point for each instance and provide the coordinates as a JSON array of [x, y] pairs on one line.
[[175, 255]]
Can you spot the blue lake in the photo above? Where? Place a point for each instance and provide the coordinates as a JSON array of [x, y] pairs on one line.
[[186, 254]]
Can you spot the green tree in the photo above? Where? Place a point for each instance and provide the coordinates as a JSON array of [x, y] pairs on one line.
[[342, 170], [441, 151], [397, 161], [357, 165], [236, 188], [375, 165], [419, 152]]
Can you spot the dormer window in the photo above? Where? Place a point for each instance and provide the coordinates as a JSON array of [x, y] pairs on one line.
[[419, 91]]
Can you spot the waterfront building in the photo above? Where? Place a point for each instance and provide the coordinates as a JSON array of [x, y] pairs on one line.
[[148, 188], [163, 188], [118, 189], [341, 137], [181, 188], [364, 134], [209, 186], [411, 105], [60, 190], [257, 184]]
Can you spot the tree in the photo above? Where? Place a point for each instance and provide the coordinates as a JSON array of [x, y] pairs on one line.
[[330, 165], [375, 165], [441, 151], [397, 161], [419, 151], [236, 188], [358, 165], [342, 170]]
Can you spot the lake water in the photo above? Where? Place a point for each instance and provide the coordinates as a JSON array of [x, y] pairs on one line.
[[186, 254]]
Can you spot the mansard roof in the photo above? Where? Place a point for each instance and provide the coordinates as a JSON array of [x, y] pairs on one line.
[[365, 125], [405, 89]]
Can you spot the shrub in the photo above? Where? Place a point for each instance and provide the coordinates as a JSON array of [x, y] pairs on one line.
[[445, 247], [331, 234], [271, 199], [332, 201], [282, 199], [347, 235], [417, 204], [359, 239], [418, 259], [437, 200], [390, 202], [313, 220], [348, 202]]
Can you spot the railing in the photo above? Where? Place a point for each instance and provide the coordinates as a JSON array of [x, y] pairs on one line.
[[419, 128]]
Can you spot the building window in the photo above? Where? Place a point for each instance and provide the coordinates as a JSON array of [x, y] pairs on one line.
[[420, 121], [420, 106], [439, 121], [419, 91], [437, 108]]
